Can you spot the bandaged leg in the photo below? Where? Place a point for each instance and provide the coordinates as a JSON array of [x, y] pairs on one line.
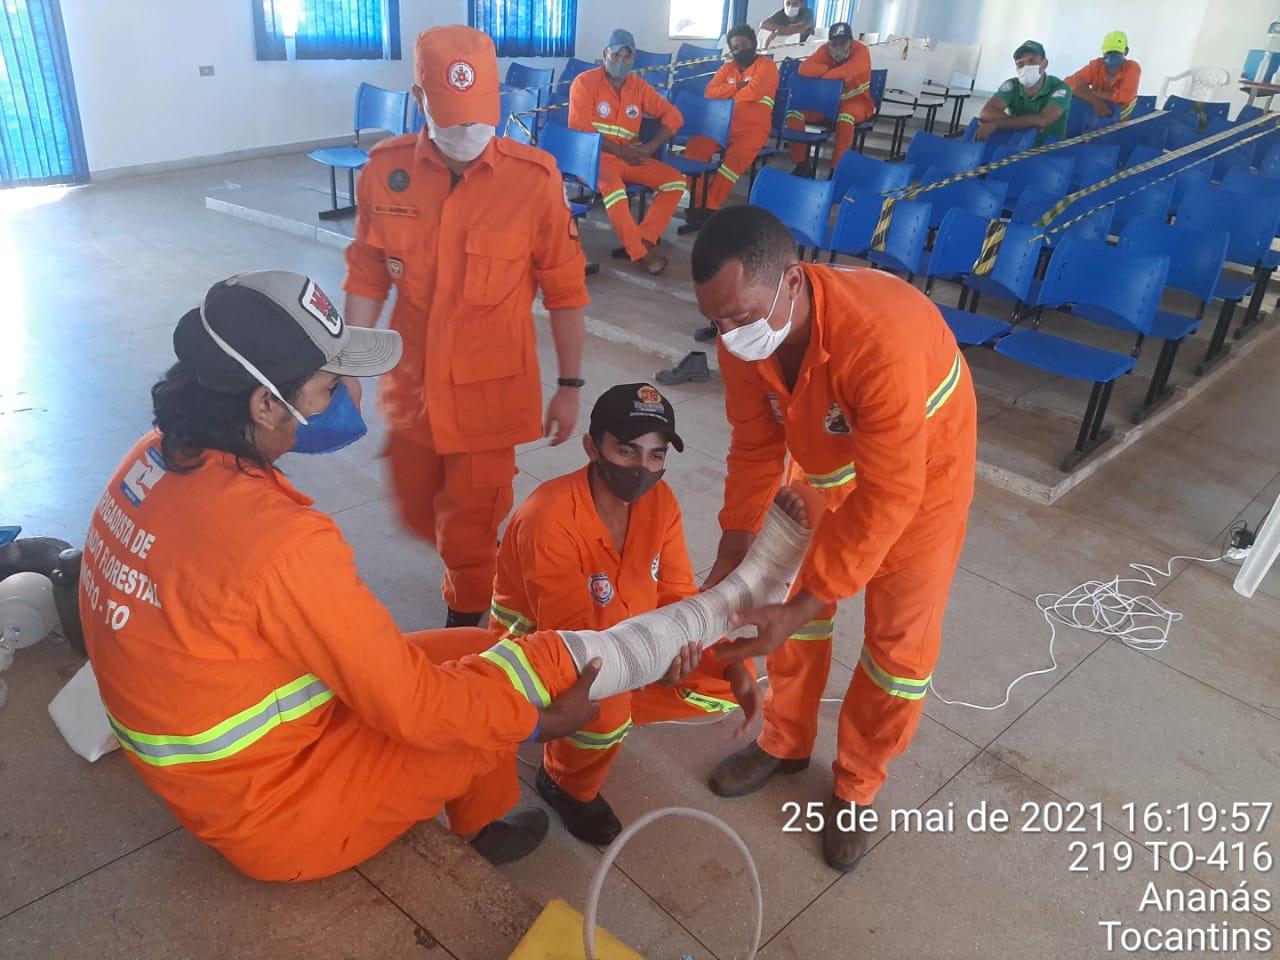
[[638, 651]]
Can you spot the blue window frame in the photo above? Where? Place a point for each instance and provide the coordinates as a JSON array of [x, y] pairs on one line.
[[326, 29], [527, 28]]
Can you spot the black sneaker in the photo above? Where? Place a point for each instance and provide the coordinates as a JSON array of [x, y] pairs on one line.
[[456, 619], [694, 221], [592, 821], [514, 836], [804, 169], [692, 369], [706, 334]]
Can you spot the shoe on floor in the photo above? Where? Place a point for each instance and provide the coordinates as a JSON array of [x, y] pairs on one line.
[[694, 221], [706, 334], [514, 836], [652, 263], [804, 169], [748, 770], [457, 619], [692, 369], [592, 821], [619, 253], [843, 848]]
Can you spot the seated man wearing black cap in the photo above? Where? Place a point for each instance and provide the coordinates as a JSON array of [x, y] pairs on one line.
[[589, 550], [1032, 100]]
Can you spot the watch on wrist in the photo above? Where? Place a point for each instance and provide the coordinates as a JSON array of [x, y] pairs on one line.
[[571, 382]]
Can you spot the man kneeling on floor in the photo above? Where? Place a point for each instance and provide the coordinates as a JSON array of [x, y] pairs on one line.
[[587, 551]]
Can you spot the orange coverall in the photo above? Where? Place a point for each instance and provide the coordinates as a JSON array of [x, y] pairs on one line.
[[882, 421], [856, 104], [752, 92], [558, 569], [1121, 88], [466, 261], [264, 693], [594, 106]]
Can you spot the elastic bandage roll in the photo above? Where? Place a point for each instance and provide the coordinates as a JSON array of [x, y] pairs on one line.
[[638, 651]]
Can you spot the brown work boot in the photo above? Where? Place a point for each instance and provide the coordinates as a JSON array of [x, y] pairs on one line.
[[748, 770], [844, 843]]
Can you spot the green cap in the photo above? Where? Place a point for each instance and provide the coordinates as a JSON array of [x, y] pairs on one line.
[[1030, 46]]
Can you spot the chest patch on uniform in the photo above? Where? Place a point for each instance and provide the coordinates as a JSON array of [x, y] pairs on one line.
[[633, 111], [398, 180], [653, 568], [395, 267], [601, 589], [603, 108], [775, 406], [394, 210], [835, 422]]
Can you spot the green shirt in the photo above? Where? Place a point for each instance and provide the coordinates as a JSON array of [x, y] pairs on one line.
[[1052, 91]]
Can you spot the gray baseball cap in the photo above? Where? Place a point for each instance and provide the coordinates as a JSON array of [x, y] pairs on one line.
[[275, 327], [621, 38]]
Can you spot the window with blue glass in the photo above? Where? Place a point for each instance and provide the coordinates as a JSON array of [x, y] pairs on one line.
[[327, 29], [527, 28], [827, 12]]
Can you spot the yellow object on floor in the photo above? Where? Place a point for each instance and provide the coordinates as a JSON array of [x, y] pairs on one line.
[[557, 935]]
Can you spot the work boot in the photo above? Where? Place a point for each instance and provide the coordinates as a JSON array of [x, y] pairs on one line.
[[748, 770], [706, 334], [652, 263], [514, 836], [693, 221], [692, 368], [620, 253], [591, 821], [456, 619], [843, 844], [803, 169]]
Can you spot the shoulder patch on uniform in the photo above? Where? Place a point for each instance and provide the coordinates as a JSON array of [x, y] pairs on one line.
[[1060, 93], [1006, 87], [523, 151]]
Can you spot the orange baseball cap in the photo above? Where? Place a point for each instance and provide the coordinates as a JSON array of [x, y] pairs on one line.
[[457, 69]]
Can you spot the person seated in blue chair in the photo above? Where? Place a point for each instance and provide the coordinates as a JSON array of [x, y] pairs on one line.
[[1109, 84], [1031, 100]]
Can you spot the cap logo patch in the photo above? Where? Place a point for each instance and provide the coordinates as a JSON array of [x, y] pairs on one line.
[[836, 424], [317, 303], [395, 267], [653, 568], [633, 111], [398, 180], [775, 406], [601, 589], [603, 108], [460, 75], [649, 395]]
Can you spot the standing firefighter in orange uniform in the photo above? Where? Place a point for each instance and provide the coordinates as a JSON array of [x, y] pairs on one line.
[[751, 82], [850, 380], [609, 100], [589, 550], [849, 61], [467, 227]]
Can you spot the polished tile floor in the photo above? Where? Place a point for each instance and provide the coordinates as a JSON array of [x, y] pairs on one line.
[[92, 865]]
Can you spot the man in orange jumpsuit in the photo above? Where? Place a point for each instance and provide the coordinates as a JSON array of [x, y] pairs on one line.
[[589, 550], [467, 227], [1109, 84], [854, 376], [849, 61], [612, 101], [751, 82], [253, 680]]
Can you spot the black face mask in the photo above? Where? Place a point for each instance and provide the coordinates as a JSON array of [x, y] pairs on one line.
[[628, 484], [745, 58]]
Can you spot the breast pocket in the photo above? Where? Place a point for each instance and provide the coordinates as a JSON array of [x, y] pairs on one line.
[[497, 263]]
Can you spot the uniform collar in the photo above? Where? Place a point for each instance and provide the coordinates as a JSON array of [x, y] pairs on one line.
[[227, 461], [584, 508], [426, 151]]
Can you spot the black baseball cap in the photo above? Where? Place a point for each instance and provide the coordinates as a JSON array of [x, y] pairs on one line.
[[631, 410], [839, 33], [275, 327]]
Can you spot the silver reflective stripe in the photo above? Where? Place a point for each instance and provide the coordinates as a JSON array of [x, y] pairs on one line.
[[507, 656]]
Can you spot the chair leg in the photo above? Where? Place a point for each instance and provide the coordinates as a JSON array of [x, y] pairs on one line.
[[1159, 390], [1261, 279], [973, 301], [1218, 346], [336, 212], [1092, 434]]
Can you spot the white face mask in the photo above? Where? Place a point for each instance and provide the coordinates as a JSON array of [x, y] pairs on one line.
[[1029, 75], [462, 142], [791, 11], [758, 340]]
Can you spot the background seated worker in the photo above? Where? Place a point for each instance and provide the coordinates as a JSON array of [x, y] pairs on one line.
[[589, 550], [849, 61], [751, 82], [612, 101], [1031, 100], [795, 19], [253, 680], [1109, 84]]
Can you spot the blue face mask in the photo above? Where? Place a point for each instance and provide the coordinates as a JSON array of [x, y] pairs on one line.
[[1113, 61], [336, 426]]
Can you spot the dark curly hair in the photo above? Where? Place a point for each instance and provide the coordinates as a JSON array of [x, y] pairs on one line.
[[192, 418]]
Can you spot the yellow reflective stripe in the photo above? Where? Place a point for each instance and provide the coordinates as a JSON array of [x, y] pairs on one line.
[[707, 703], [589, 740], [615, 197], [815, 630], [515, 622], [1124, 114], [767, 101], [671, 186], [845, 118], [510, 658], [836, 478], [855, 92], [728, 174], [615, 131], [904, 687], [794, 115], [945, 389], [289, 702]]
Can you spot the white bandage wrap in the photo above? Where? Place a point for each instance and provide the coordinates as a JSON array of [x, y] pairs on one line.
[[638, 651]]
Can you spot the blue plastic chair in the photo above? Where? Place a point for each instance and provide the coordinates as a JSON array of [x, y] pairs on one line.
[[1009, 142], [702, 118], [818, 95], [804, 205], [1091, 273], [688, 51], [1252, 68], [1248, 113], [1243, 180], [1080, 118], [879, 80], [1142, 106], [1032, 205], [927, 150], [1091, 162], [867, 173], [1195, 109], [1050, 174], [659, 79], [1153, 202], [520, 75], [560, 92], [856, 217], [1095, 226], [518, 101], [376, 109], [982, 197], [1186, 178], [577, 155], [1270, 164], [904, 245]]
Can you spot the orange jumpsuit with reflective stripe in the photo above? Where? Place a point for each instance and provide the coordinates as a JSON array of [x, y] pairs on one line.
[[596, 107], [1121, 87], [856, 104], [882, 420], [752, 92], [466, 259], [559, 569], [260, 688]]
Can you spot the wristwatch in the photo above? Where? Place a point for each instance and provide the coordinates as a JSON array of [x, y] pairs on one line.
[[571, 382]]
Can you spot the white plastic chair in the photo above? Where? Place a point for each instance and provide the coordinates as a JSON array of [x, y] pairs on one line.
[[1203, 83]]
